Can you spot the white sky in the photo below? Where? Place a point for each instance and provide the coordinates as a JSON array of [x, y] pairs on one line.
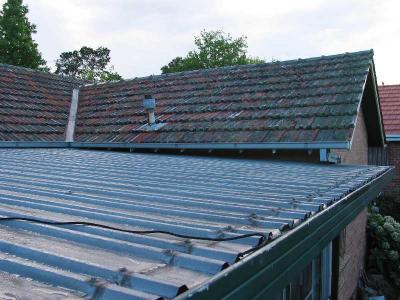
[[144, 35]]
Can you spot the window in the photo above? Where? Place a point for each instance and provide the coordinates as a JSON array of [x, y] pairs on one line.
[[314, 282]]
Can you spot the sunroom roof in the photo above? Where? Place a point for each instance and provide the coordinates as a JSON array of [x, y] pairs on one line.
[[197, 196]]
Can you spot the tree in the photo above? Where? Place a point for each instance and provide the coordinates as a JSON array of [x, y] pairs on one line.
[[87, 63], [213, 49], [16, 44]]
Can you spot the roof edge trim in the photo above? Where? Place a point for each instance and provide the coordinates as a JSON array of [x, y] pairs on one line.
[[359, 107], [378, 103]]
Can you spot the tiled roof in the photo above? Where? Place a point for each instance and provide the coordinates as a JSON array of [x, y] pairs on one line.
[[200, 196], [390, 103], [34, 106], [305, 100]]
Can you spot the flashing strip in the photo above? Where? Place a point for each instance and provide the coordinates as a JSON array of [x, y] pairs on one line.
[[393, 137], [69, 136]]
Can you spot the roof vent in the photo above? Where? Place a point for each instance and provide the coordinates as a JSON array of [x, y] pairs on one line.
[[149, 104]]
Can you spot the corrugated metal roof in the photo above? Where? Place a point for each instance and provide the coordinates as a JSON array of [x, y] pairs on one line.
[[201, 196]]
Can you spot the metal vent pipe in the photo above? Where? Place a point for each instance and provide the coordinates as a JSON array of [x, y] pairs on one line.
[[149, 104]]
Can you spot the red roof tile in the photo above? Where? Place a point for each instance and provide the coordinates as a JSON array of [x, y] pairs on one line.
[[34, 106], [390, 103], [305, 100]]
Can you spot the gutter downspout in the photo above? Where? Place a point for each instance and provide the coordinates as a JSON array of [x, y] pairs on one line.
[[325, 155]]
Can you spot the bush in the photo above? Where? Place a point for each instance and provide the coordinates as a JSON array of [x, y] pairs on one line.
[[384, 246], [390, 206]]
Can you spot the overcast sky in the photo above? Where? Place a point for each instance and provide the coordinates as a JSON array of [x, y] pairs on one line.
[[144, 35]]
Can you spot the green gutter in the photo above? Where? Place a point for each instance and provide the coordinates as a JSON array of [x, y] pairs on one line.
[[27, 144], [266, 272], [219, 146], [194, 146], [393, 137]]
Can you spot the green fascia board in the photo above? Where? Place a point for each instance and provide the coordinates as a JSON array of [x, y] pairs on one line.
[[266, 272]]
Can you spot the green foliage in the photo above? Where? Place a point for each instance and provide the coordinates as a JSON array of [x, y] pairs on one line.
[[16, 44], [213, 49], [110, 76], [384, 246], [87, 63]]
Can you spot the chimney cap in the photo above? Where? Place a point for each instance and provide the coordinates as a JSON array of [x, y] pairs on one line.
[[149, 103]]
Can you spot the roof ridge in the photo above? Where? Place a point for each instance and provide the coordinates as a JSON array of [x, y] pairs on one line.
[[389, 85], [362, 52], [3, 65]]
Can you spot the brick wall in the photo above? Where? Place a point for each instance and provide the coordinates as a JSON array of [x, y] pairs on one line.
[[359, 149], [390, 204], [394, 160], [354, 241], [352, 262]]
